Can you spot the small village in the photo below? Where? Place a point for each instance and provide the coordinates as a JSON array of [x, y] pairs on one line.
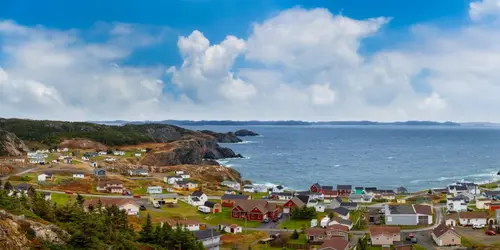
[[232, 214]]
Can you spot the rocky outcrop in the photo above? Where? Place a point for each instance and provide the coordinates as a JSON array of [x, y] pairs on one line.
[[82, 144], [13, 231], [223, 137], [11, 145], [245, 132]]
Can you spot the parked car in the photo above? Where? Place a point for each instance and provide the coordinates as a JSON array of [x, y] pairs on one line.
[[137, 196], [414, 240], [142, 207], [477, 226], [156, 205], [266, 220], [491, 232], [469, 209]]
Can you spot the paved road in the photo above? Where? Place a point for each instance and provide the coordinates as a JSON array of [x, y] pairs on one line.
[[18, 174]]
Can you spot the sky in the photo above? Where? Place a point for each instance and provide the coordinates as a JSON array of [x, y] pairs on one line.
[[322, 60]]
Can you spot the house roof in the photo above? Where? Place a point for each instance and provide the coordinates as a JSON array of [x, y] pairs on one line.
[[327, 187], [461, 188], [22, 186], [336, 243], [378, 230], [282, 193], [209, 204], [197, 193], [344, 187], [456, 199], [184, 182], [492, 193], [279, 187], [442, 229], [316, 231], [338, 199], [248, 205], [358, 188], [234, 197], [338, 227], [78, 173], [473, 215], [341, 210], [206, 234], [163, 196], [330, 192], [298, 202], [108, 202], [195, 198], [303, 198], [370, 189], [401, 209], [348, 204], [423, 209], [343, 222]]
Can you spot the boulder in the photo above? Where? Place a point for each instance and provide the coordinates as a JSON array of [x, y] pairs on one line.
[[245, 132]]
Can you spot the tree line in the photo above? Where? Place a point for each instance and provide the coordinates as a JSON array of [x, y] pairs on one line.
[[102, 227]]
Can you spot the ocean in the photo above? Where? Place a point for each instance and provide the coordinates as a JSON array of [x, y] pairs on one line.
[[415, 157]]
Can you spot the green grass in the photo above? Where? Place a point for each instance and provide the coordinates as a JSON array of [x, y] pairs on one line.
[[489, 185], [470, 243], [418, 247], [301, 240], [256, 196], [61, 199], [51, 157], [295, 224]]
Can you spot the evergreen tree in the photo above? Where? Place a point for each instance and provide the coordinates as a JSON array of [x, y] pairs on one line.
[[295, 235], [8, 186], [146, 234], [80, 200]]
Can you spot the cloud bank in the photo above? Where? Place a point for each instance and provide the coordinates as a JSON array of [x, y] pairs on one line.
[[302, 64]]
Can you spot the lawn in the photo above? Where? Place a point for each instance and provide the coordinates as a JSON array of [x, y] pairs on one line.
[[295, 224], [256, 196], [418, 247], [489, 185], [301, 240], [225, 218], [61, 199]]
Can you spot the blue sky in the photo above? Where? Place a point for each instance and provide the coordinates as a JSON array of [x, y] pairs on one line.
[[288, 59]]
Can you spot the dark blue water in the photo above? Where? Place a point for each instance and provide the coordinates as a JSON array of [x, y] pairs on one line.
[[384, 156]]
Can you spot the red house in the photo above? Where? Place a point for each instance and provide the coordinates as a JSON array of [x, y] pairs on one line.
[[344, 190], [494, 206], [254, 210], [229, 200], [316, 188], [295, 202]]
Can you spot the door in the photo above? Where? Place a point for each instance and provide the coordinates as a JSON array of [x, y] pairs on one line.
[[286, 210]]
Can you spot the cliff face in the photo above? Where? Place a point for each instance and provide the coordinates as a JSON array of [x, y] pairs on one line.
[[13, 231], [11, 145], [223, 137]]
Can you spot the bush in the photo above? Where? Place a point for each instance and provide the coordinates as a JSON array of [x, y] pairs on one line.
[[305, 213], [26, 178], [295, 235]]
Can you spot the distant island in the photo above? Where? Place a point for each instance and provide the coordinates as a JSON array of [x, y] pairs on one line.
[[277, 123]]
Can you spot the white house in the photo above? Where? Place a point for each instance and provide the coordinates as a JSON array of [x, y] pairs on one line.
[[314, 222], [324, 222], [65, 149], [154, 190], [44, 177], [102, 153], [85, 158], [179, 172], [137, 154], [470, 218], [121, 153], [456, 204], [283, 196], [320, 207], [197, 198], [232, 229], [360, 198], [127, 205], [110, 159], [190, 225], [248, 188], [185, 176], [278, 189], [231, 184], [210, 238], [79, 175], [483, 203], [172, 179]]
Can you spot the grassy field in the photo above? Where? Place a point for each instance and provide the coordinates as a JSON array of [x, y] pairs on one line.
[[61, 199], [295, 224], [225, 217], [418, 247], [257, 196], [301, 240]]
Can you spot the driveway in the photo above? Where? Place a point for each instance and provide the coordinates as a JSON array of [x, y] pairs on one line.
[[424, 239], [478, 235]]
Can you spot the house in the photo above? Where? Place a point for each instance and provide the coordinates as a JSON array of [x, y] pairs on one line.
[[197, 198], [138, 172], [65, 149], [439, 191], [283, 196], [187, 185], [457, 189], [320, 207], [110, 186], [483, 203], [324, 222], [295, 202], [68, 160], [360, 198], [338, 221], [85, 158], [102, 153], [99, 172], [228, 200], [110, 159], [22, 188], [179, 172], [336, 202], [456, 204], [210, 238], [93, 164], [388, 195], [408, 215], [326, 188], [359, 190], [342, 212], [472, 188], [335, 243], [127, 205], [254, 210], [190, 225], [401, 190], [46, 196], [316, 188], [172, 179], [444, 235], [497, 216], [79, 175], [349, 205], [370, 190], [137, 154], [164, 198], [45, 177], [229, 191], [470, 218], [278, 189], [248, 188], [494, 205], [231, 184], [154, 190], [384, 235], [344, 190], [316, 235], [232, 228], [330, 194], [214, 207], [121, 153], [185, 176]]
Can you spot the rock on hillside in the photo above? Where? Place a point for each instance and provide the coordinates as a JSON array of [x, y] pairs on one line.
[[82, 144], [223, 137], [13, 231], [11, 145], [245, 132]]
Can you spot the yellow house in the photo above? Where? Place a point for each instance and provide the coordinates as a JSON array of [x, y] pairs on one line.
[[164, 198], [401, 201]]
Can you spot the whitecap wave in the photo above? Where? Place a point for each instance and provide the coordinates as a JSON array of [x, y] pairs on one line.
[[247, 142], [336, 165]]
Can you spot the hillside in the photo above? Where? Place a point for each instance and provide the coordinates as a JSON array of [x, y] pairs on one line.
[[10, 144], [183, 146]]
